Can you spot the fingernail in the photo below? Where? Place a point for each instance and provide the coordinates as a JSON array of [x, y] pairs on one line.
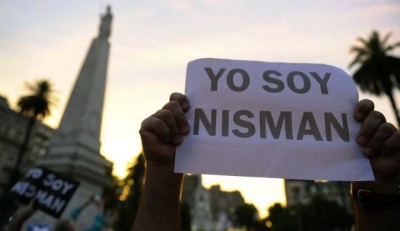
[[368, 151], [185, 106], [178, 139], [184, 129], [362, 140], [358, 115]]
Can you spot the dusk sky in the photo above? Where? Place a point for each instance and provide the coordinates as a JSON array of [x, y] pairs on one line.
[[152, 42]]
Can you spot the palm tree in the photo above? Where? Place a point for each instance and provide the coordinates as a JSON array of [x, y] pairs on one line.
[[36, 104], [378, 71]]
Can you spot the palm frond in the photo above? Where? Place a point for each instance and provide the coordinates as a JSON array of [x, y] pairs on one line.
[[368, 77], [392, 47], [386, 38], [39, 99]]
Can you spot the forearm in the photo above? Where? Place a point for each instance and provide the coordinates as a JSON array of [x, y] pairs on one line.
[[16, 224], [371, 219], [159, 206], [18, 221]]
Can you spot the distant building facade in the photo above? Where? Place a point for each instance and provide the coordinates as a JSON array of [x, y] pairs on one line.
[[211, 209], [302, 191], [12, 132]]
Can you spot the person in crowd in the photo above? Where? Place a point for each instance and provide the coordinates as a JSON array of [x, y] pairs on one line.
[[21, 215], [64, 224], [98, 219], [376, 203]]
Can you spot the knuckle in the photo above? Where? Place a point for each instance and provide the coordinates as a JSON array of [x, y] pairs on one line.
[[144, 125], [171, 105], [392, 144], [387, 128], [174, 96], [396, 136], [163, 113], [157, 123], [179, 96], [378, 116], [373, 123], [368, 129]]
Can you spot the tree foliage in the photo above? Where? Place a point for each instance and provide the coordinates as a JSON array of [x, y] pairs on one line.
[[35, 104], [186, 218], [246, 215], [322, 214], [378, 72], [318, 215], [282, 219], [132, 188], [39, 99]]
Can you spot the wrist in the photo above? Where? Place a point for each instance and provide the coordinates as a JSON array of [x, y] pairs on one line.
[[376, 195], [161, 194], [163, 176], [381, 188]]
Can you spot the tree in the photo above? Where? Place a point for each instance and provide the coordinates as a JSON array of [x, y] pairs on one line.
[[246, 215], [186, 218], [319, 214], [133, 185], [36, 105], [282, 219], [322, 214], [378, 71]]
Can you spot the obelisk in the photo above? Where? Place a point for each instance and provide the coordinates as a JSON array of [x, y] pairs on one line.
[[75, 146]]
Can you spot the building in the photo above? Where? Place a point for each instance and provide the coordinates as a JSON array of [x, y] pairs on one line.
[[210, 209], [74, 148], [302, 191], [223, 205], [13, 127]]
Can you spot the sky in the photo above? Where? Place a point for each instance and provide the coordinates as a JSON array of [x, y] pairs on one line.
[[152, 42]]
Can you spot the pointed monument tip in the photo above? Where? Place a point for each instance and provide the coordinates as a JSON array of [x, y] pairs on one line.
[[105, 24]]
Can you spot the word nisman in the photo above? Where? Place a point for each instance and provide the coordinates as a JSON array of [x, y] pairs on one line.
[[243, 119]]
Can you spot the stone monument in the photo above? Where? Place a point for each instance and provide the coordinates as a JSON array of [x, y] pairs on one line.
[[75, 146]]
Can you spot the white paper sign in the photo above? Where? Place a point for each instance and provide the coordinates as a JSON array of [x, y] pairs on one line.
[[281, 120]]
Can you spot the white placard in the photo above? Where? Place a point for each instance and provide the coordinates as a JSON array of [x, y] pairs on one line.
[[280, 120]]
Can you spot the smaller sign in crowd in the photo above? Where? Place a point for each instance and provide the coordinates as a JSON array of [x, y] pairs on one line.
[[50, 190]]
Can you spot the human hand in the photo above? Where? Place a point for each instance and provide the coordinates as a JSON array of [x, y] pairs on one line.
[[164, 130], [21, 215], [25, 211], [380, 142], [98, 201]]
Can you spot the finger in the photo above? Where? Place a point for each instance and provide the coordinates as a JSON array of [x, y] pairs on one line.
[[375, 145], [392, 144], [182, 99], [181, 124], [362, 109], [167, 118], [155, 124], [185, 106], [178, 108], [370, 124], [386, 168]]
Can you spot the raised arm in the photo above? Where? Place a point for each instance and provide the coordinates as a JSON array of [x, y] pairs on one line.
[[377, 204], [23, 213], [161, 133]]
